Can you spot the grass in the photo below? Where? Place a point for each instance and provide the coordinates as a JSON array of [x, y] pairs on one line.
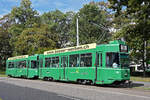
[[142, 79], [2, 73]]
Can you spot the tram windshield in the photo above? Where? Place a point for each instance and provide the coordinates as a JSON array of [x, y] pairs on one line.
[[124, 60], [115, 60], [112, 59]]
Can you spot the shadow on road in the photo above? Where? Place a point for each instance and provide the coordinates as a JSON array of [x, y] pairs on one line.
[[137, 84], [133, 85]]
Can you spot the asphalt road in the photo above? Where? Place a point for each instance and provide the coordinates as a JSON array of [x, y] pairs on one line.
[[13, 92], [23, 89]]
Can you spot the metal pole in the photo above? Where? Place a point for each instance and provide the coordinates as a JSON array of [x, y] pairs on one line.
[[77, 33], [145, 54]]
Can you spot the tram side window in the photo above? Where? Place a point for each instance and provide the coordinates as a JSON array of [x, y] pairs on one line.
[[74, 60], [41, 63], [17, 64], [22, 64], [47, 62], [52, 62], [55, 62], [86, 60], [34, 64], [111, 59], [99, 59], [64, 61], [11, 65]]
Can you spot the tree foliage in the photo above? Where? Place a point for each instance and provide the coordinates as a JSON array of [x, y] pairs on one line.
[[22, 17], [24, 14], [60, 25], [24, 31], [34, 40], [137, 31], [5, 48], [92, 25]]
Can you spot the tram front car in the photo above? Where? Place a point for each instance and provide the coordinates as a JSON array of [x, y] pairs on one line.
[[117, 62]]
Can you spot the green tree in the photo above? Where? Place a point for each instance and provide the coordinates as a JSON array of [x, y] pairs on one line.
[[92, 25], [5, 48], [137, 32], [25, 14], [34, 40], [60, 25], [22, 17]]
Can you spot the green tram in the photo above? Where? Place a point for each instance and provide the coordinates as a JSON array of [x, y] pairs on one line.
[[23, 66], [91, 63]]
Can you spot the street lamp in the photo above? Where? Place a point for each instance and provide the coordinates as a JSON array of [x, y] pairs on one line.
[[77, 31]]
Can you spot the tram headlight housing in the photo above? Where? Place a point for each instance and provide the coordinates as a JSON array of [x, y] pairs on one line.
[[117, 72]]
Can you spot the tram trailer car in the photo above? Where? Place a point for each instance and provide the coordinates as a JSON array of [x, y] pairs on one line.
[[91, 63], [23, 66]]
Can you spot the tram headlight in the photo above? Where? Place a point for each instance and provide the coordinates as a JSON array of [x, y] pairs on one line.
[[117, 72], [126, 74]]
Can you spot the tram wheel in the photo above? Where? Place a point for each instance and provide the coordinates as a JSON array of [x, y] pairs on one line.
[[50, 79], [45, 78]]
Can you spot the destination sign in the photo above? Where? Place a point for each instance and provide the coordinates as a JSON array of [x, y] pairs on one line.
[[18, 57], [123, 48], [76, 48]]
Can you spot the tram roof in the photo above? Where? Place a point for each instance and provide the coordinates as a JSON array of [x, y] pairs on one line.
[[70, 49], [18, 57], [83, 47]]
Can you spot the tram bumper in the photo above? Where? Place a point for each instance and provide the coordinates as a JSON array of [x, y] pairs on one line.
[[122, 76], [119, 76], [110, 76]]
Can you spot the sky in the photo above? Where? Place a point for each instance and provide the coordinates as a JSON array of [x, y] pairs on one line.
[[45, 5]]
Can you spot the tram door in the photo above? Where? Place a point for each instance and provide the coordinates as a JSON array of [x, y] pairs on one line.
[[99, 66], [64, 64], [40, 67]]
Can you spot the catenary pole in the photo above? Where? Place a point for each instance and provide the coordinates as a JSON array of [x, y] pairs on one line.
[[77, 33]]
